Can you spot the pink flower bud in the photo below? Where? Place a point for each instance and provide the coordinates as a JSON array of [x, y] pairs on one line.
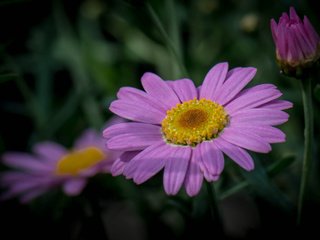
[[297, 42]]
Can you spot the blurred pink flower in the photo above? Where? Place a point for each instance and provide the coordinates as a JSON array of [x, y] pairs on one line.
[[297, 42], [52, 165]]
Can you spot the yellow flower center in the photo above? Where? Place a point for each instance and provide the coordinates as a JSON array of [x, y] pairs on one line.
[[194, 121], [76, 161]]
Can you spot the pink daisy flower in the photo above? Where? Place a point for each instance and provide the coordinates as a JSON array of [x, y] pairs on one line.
[[52, 165], [186, 130]]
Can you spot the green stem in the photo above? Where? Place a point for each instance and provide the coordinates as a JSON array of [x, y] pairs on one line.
[[21, 84], [308, 136], [96, 223], [99, 225], [73, 58], [173, 32], [214, 210], [64, 113]]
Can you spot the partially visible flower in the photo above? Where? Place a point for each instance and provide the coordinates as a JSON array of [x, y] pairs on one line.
[[186, 130], [297, 42], [52, 165]]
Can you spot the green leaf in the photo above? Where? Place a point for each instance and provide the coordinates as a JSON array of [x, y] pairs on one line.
[[181, 204], [262, 186], [69, 51], [99, 56], [278, 166], [64, 113], [169, 42], [272, 171]]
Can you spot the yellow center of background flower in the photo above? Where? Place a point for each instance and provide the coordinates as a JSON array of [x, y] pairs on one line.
[[194, 121], [76, 161]]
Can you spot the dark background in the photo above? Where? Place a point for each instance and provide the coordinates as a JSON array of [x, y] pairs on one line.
[[56, 56]]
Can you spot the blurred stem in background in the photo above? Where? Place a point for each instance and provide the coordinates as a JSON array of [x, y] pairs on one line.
[[69, 53], [174, 33], [214, 209], [175, 44], [308, 138]]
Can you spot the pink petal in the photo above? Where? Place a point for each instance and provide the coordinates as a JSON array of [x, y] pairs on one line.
[[160, 90], [130, 127], [184, 88], [175, 169], [252, 98], [113, 120], [260, 87], [130, 94], [89, 138], [135, 112], [233, 71], [206, 173], [104, 166], [50, 151], [135, 139], [237, 154], [119, 165], [311, 33], [25, 186], [213, 81], [274, 30], [212, 160], [294, 53], [267, 133], [284, 19], [234, 84], [194, 178], [277, 105], [244, 139], [13, 177], [260, 116], [73, 187], [294, 15], [26, 162], [154, 153], [149, 164], [305, 44], [282, 43]]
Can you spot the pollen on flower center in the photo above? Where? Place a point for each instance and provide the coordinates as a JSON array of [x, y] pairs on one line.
[[194, 121], [77, 161]]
